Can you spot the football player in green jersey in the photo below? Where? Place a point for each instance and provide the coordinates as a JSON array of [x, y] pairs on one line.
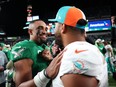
[[28, 56]]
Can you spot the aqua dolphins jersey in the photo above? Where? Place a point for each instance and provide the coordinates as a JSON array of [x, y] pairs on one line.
[[29, 49]]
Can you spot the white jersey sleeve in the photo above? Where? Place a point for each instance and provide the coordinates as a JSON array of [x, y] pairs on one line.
[[81, 61]]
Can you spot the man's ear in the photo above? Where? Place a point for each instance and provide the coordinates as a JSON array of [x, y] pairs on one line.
[[30, 32], [85, 34], [63, 28]]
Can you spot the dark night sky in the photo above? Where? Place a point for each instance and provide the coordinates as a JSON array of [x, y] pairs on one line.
[[13, 13]]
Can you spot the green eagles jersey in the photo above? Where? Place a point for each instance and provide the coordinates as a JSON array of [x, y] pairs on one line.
[[29, 49], [7, 52]]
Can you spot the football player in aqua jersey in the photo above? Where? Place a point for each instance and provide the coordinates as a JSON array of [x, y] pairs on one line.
[[28, 56]]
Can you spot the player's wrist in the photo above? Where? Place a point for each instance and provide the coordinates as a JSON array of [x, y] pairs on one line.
[[40, 79], [46, 75]]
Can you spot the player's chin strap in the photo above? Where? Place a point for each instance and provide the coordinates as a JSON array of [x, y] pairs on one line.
[[40, 79]]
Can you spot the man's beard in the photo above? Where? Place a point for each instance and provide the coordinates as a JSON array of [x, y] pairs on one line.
[[58, 41], [43, 41], [40, 42]]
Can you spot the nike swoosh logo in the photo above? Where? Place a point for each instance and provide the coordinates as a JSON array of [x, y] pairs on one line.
[[79, 51]]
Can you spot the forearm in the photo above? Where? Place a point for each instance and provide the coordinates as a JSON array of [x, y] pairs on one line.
[[29, 83], [40, 80]]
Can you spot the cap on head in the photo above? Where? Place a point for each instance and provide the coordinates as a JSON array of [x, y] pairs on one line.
[[69, 15]]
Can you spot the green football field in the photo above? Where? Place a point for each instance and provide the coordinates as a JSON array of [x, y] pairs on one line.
[[112, 82]]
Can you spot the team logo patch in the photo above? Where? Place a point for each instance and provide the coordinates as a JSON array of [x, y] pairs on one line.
[[18, 53], [79, 66]]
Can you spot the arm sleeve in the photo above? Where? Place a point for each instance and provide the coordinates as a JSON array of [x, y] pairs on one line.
[[83, 63], [20, 52], [80, 67]]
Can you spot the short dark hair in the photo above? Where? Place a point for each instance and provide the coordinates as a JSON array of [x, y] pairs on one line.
[[82, 22]]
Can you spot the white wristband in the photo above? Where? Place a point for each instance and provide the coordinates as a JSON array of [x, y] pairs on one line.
[[40, 79]]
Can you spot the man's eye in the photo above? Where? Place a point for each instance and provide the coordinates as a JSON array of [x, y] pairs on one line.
[[46, 28], [43, 34], [40, 27]]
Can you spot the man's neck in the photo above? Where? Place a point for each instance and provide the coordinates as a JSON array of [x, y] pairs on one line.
[[69, 39]]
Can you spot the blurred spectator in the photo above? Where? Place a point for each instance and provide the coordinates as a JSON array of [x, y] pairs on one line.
[[3, 61], [109, 55], [113, 31], [100, 46], [1, 46], [113, 20], [109, 49], [113, 39], [7, 51]]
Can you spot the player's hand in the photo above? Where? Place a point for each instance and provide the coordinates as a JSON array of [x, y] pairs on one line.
[[53, 69], [46, 54]]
